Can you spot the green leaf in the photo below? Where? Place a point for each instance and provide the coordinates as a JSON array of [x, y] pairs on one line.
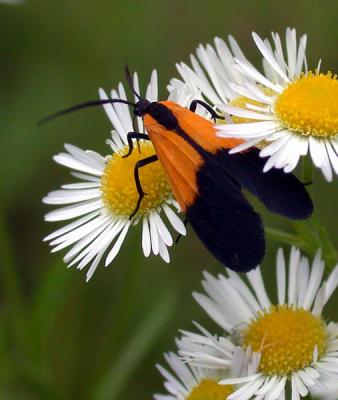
[[51, 294], [139, 344]]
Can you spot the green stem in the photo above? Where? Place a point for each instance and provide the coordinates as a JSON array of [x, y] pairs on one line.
[[307, 173], [311, 234], [312, 231], [323, 240], [283, 237]]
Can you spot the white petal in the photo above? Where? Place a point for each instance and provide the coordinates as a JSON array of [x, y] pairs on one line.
[[94, 265], [87, 156], [293, 274], [146, 244], [252, 92], [243, 146], [257, 283], [248, 390], [81, 185], [81, 231], [154, 89], [238, 381], [319, 302], [71, 196], [277, 390], [162, 230], [303, 279], [71, 226], [90, 245], [99, 244], [301, 57], [69, 161], [294, 389], [332, 156], [112, 115], [85, 244], [320, 157], [86, 177], [163, 251], [268, 385], [317, 271], [331, 283], [269, 57], [244, 113], [247, 129], [246, 293], [174, 219], [253, 73], [116, 248], [306, 378], [73, 211], [302, 389], [275, 146], [281, 276], [153, 233], [213, 311]]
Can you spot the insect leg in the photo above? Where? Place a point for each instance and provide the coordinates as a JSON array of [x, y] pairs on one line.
[[212, 112], [130, 137], [141, 193]]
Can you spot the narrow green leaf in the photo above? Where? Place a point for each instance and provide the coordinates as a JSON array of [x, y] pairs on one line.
[[51, 294], [118, 373]]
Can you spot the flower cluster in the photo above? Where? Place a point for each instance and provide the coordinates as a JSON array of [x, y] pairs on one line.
[[106, 195], [286, 112], [267, 348], [268, 345]]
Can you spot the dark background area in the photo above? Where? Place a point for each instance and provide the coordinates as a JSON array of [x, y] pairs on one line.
[[101, 340]]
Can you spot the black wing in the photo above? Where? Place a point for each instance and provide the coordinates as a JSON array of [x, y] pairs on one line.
[[224, 220], [281, 193]]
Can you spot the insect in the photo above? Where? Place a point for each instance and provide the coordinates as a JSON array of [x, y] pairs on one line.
[[207, 181]]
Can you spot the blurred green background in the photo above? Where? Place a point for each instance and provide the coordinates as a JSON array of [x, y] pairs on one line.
[[67, 339]]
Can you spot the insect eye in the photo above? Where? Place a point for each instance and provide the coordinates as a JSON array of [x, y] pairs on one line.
[[141, 107]]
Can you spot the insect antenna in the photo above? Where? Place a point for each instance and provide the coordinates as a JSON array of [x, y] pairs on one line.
[[87, 104], [130, 81]]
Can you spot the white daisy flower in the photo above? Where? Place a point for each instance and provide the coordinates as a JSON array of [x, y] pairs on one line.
[[105, 196], [211, 73], [329, 389], [289, 110], [295, 343], [216, 352], [192, 382]]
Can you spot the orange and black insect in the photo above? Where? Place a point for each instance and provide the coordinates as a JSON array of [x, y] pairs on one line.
[[207, 181]]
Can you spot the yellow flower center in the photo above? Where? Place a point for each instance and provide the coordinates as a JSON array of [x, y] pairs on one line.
[[208, 389], [309, 105], [286, 338], [118, 186]]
